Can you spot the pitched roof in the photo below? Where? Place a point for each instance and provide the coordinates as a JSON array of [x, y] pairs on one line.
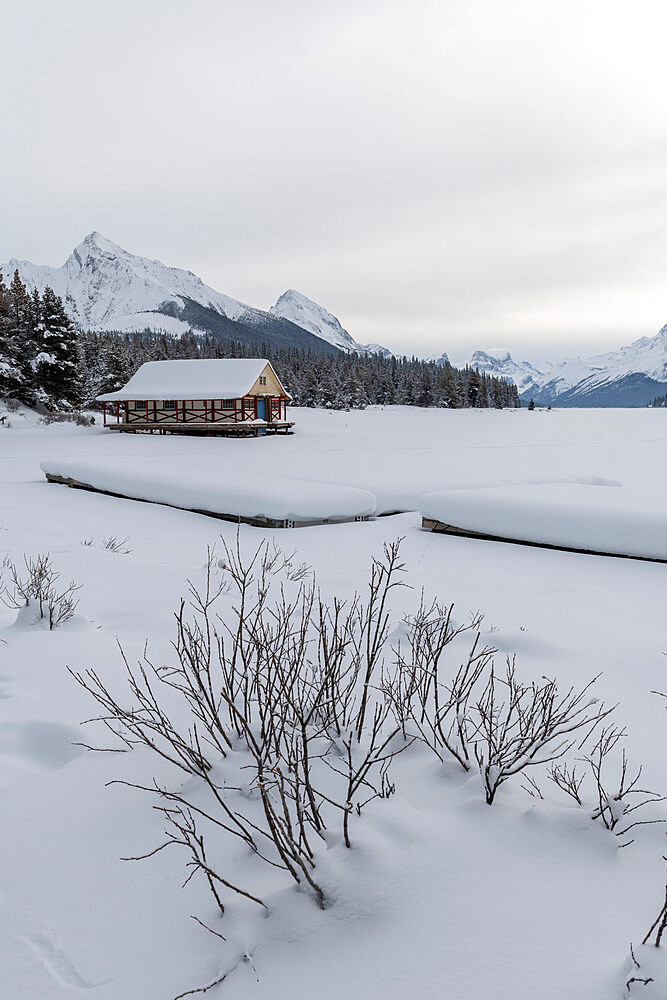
[[210, 378]]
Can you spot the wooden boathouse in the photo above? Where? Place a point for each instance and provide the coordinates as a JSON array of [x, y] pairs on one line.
[[231, 396]]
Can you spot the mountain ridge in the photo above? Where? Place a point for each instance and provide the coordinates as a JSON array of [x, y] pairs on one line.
[[105, 287], [630, 376]]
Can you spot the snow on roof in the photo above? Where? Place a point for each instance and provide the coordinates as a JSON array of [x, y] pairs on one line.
[[211, 378]]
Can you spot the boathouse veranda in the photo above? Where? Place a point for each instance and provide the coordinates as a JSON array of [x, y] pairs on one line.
[[233, 396]]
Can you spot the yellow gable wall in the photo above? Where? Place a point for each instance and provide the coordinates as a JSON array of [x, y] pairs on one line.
[[272, 387]]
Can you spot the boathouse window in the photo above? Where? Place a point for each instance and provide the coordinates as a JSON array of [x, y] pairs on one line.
[[140, 404], [170, 404], [228, 404], [262, 379]]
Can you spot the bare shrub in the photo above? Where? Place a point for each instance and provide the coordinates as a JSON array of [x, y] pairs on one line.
[[290, 684], [568, 780], [422, 702], [635, 980], [40, 586], [522, 725], [659, 925], [117, 545], [619, 797], [284, 710], [112, 543], [56, 417]]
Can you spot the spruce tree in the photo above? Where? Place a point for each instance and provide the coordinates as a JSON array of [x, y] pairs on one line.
[[19, 339], [337, 381], [10, 375], [57, 366]]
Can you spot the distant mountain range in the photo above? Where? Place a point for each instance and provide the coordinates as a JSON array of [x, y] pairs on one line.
[[632, 376], [104, 287]]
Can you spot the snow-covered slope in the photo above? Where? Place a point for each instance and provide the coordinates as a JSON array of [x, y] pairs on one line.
[[379, 349], [104, 287], [631, 376], [500, 363], [440, 359], [299, 309], [635, 373], [302, 311]]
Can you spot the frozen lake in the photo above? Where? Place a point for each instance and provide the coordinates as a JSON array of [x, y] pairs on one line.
[[444, 896]]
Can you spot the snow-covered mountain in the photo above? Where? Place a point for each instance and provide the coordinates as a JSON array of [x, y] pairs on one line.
[[302, 311], [440, 359], [632, 376], [379, 349], [104, 287], [295, 307], [500, 363]]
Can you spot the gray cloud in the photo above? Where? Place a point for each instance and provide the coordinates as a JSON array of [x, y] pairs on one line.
[[441, 176]]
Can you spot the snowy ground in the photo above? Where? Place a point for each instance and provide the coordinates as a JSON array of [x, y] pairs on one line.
[[442, 896]]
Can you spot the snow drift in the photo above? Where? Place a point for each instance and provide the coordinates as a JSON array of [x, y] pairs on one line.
[[611, 520], [193, 487]]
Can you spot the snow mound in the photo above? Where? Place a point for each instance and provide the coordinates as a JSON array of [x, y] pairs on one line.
[[615, 521], [194, 487]]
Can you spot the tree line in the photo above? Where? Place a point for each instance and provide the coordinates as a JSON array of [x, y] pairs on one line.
[[336, 381], [659, 401], [45, 360]]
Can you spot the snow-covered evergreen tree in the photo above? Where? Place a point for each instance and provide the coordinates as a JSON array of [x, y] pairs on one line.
[[56, 362], [10, 374], [20, 321], [336, 381]]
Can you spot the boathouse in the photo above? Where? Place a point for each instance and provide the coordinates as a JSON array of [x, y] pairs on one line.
[[239, 396]]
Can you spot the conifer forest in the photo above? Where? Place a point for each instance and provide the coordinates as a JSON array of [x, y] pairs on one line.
[[45, 361]]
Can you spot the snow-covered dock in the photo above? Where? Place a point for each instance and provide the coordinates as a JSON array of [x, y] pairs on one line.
[[601, 520], [267, 501]]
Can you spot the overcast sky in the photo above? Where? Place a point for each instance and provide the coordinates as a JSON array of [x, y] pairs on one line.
[[440, 175]]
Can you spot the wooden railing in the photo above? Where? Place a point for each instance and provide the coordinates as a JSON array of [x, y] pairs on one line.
[[244, 410]]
